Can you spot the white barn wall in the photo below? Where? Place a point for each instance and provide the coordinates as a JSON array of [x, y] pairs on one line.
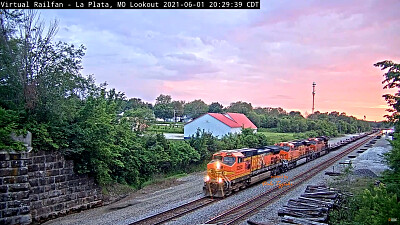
[[208, 124]]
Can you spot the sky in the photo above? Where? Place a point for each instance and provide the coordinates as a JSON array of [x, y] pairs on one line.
[[269, 57]]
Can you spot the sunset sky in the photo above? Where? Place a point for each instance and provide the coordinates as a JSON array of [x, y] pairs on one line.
[[268, 57]]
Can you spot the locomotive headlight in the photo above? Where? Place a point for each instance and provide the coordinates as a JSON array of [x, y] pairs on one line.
[[218, 165], [220, 180], [207, 178]]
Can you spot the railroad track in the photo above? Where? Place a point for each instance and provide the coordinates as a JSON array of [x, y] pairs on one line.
[[243, 210], [175, 212]]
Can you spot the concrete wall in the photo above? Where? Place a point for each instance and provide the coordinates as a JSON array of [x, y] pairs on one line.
[[208, 124], [35, 187]]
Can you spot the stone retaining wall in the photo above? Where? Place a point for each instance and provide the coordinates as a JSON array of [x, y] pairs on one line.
[[39, 186]]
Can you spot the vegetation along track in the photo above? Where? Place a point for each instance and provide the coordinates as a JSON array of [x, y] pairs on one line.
[[251, 206], [175, 212]]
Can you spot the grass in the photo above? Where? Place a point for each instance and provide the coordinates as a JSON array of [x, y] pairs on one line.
[[273, 137], [166, 128]]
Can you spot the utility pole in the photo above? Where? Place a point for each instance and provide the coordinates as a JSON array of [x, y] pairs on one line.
[[313, 95]]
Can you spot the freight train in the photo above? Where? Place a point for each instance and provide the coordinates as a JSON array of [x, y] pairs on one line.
[[232, 170]]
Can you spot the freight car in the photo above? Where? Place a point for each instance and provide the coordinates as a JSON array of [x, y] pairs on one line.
[[232, 170]]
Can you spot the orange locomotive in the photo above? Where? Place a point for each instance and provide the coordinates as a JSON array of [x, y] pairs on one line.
[[231, 170]]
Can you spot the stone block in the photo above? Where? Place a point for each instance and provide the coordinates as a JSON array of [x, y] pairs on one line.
[[9, 180], [22, 179], [18, 163], [50, 158], [5, 197], [50, 180], [24, 210], [42, 181], [36, 204], [82, 194], [18, 187], [33, 168], [55, 172], [19, 195], [5, 164], [10, 212], [59, 207], [62, 185], [34, 182], [49, 165], [14, 204], [15, 156], [3, 205], [59, 179], [69, 164], [25, 219], [44, 211], [59, 164], [37, 190], [71, 197], [38, 159], [3, 188], [4, 156], [34, 197], [54, 193]]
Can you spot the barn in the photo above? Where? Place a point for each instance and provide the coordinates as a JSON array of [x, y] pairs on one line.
[[218, 124]]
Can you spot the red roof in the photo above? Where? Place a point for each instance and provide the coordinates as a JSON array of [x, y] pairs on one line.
[[224, 119], [242, 120], [234, 120]]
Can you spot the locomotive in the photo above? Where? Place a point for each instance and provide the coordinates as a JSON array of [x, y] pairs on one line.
[[232, 170]]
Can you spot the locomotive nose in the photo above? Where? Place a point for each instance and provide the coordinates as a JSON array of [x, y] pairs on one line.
[[217, 165]]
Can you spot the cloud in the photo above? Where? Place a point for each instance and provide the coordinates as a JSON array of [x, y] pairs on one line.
[[269, 57]]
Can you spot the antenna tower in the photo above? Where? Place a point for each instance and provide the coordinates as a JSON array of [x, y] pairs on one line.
[[313, 96]]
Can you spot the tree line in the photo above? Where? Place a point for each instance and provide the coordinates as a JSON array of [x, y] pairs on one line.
[[273, 119]]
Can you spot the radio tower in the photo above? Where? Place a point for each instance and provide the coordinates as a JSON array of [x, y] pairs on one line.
[[313, 94]]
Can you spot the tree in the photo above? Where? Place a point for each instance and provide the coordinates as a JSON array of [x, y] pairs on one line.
[[215, 107], [178, 108], [140, 118], [163, 107], [135, 103], [37, 75], [195, 108], [392, 80], [240, 107]]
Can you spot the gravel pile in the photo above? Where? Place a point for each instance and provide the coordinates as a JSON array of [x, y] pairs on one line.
[[364, 173]]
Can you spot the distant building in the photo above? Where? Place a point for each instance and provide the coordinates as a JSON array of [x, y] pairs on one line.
[[219, 124]]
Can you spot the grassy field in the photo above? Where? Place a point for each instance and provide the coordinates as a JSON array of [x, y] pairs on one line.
[[273, 137], [166, 128]]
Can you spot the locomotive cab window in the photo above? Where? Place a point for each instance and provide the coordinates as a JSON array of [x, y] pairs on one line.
[[218, 157], [229, 160], [240, 159]]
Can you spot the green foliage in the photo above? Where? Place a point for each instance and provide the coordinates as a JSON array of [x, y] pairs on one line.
[[195, 109], [372, 206], [392, 80], [240, 107], [164, 108], [9, 123], [215, 107]]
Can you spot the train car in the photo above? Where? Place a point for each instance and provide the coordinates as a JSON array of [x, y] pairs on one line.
[[232, 170]]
